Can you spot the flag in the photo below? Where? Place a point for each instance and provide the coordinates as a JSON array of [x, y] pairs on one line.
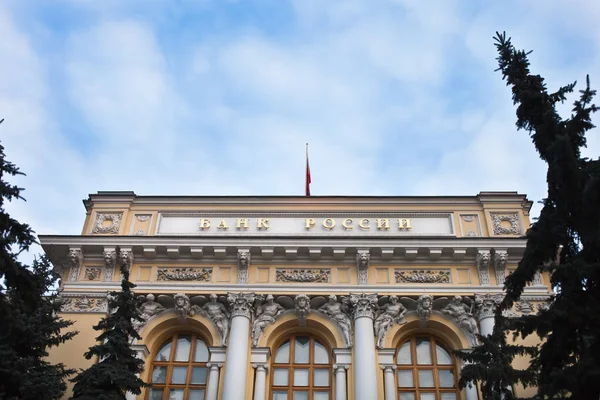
[[307, 173]]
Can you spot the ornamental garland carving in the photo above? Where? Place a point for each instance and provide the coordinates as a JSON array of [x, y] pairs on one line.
[[512, 219], [84, 304], [114, 221], [422, 276], [303, 275], [468, 218], [184, 274], [142, 217]]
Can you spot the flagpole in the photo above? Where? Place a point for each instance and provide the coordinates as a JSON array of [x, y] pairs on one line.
[[308, 180]]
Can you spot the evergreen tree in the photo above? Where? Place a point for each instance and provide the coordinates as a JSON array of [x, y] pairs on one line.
[[29, 324], [564, 241], [115, 373]]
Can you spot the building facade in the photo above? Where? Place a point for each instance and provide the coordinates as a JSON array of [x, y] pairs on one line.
[[297, 298]]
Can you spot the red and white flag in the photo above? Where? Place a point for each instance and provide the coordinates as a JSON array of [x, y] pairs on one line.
[[307, 173]]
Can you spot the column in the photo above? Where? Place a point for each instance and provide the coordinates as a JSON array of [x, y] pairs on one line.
[[486, 309], [340, 381], [141, 352], [234, 387], [260, 380], [389, 383], [213, 380], [365, 368], [471, 391]]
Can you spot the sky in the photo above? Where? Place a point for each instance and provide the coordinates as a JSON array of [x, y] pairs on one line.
[[219, 97]]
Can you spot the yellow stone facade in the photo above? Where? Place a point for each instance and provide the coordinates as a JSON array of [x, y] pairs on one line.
[[365, 288]]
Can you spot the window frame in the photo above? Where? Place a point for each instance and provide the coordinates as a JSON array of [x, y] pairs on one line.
[[291, 365], [171, 363]]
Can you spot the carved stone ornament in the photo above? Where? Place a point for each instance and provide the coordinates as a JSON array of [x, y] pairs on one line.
[[302, 306], [75, 259], [422, 276], [126, 259], [543, 307], [362, 266], [303, 275], [486, 304], [147, 309], [182, 305], [184, 274], [84, 304], [500, 259], [524, 307], [461, 313], [363, 305], [471, 234], [240, 304], [424, 306], [110, 259], [114, 223], [92, 273], [537, 278], [243, 263], [142, 218], [468, 218], [483, 262], [390, 313], [218, 314], [139, 232], [512, 219], [265, 316], [338, 313]]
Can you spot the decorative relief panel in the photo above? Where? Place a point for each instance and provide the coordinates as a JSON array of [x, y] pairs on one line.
[[84, 304], [423, 276], [92, 273], [184, 274], [469, 225], [506, 224], [107, 223], [303, 275]]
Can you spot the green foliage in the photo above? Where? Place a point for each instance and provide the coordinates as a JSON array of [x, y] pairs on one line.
[[115, 373], [564, 241], [28, 309]]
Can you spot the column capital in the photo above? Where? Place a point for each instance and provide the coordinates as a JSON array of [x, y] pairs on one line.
[[260, 366], [241, 304], [388, 367], [340, 367], [214, 365], [486, 304], [364, 305]]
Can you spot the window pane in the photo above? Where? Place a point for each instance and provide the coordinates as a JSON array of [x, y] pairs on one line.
[[321, 377], [201, 354], [156, 394], [443, 358], [176, 394], [280, 377], [423, 351], [321, 396], [199, 375], [159, 374], [448, 396], [407, 396], [405, 378], [300, 396], [301, 350], [446, 378], [321, 356], [164, 353], [196, 395], [280, 396], [425, 378], [283, 355], [427, 396], [182, 351], [404, 357], [300, 377], [179, 375]]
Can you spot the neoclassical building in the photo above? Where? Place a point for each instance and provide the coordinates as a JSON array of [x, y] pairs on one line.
[[296, 298]]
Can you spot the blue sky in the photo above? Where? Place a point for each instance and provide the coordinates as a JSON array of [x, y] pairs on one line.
[[219, 97]]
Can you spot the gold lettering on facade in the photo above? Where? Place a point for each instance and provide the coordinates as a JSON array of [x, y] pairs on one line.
[[347, 224], [241, 223], [364, 224], [204, 224], [329, 223], [309, 223], [404, 223], [223, 225], [262, 223], [383, 223]]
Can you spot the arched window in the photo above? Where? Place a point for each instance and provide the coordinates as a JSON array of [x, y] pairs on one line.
[[301, 370], [426, 370], [179, 369]]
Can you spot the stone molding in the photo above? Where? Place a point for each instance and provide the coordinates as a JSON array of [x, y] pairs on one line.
[[422, 275], [184, 274], [305, 275]]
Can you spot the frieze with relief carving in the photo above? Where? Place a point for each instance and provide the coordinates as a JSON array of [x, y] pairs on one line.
[[184, 274], [83, 304], [423, 276], [499, 220], [303, 275], [92, 273], [107, 223]]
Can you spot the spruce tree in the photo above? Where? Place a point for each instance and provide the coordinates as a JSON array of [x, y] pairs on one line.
[[29, 324], [115, 372], [564, 241]]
